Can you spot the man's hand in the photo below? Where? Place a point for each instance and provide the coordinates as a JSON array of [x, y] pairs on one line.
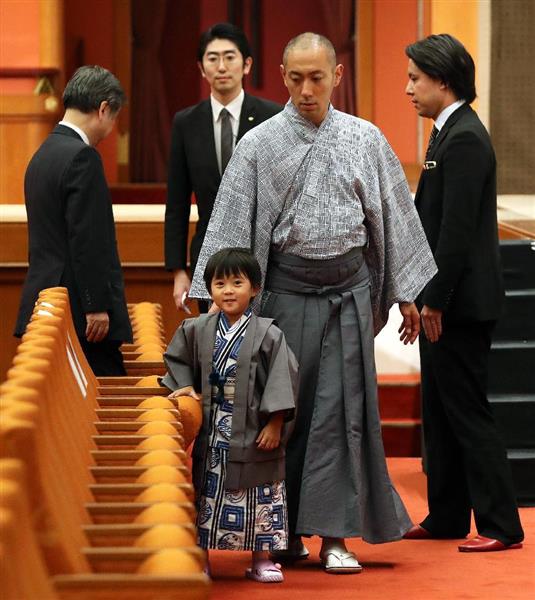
[[432, 323], [181, 286], [410, 326], [270, 436], [98, 325], [185, 391]]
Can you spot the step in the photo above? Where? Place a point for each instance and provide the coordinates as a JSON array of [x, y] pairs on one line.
[[125, 414], [127, 492], [399, 396], [511, 368], [127, 390], [518, 264], [126, 559], [515, 418], [120, 534], [401, 437], [517, 321], [522, 463], [126, 401], [124, 441]]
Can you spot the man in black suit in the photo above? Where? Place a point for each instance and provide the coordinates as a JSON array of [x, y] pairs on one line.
[[202, 139], [70, 221], [467, 467]]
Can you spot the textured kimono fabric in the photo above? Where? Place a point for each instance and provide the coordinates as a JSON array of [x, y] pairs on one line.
[[244, 519], [335, 457]]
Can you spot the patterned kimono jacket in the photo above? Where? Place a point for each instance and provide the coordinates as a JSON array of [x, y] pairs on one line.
[[318, 192]]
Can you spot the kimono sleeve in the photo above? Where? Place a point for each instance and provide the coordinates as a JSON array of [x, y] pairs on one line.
[[179, 358], [398, 255], [280, 390]]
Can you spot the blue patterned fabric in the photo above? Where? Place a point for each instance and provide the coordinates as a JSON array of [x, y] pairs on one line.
[[246, 519]]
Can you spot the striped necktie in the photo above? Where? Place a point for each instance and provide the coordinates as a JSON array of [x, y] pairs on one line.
[[432, 138]]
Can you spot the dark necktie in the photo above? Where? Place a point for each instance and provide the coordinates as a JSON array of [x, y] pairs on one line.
[[432, 138], [226, 139]]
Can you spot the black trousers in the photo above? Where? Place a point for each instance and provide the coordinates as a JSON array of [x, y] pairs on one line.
[[104, 358], [467, 467], [203, 305]]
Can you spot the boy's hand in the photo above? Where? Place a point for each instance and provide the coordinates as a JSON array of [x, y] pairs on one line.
[[185, 391], [270, 436]]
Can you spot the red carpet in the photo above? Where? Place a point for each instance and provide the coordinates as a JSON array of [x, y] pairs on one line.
[[406, 570]]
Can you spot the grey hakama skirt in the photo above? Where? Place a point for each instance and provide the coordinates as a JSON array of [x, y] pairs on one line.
[[337, 482], [245, 519]]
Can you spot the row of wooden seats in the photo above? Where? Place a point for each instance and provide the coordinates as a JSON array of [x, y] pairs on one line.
[[145, 355], [101, 479]]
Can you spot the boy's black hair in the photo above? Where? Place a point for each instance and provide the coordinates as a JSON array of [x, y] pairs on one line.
[[224, 31], [445, 59], [233, 261]]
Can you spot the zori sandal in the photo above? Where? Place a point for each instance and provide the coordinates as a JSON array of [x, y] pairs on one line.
[[265, 572], [340, 563]]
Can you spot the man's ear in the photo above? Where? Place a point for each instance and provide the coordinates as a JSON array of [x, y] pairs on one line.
[[103, 108], [247, 65], [199, 64], [283, 74], [338, 72]]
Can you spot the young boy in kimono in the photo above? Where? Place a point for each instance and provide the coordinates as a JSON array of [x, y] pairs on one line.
[[241, 369]]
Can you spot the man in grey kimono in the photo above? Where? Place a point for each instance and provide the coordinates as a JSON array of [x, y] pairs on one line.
[[323, 201]]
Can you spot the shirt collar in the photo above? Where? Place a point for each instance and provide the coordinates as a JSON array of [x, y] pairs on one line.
[[234, 106], [447, 112], [79, 131]]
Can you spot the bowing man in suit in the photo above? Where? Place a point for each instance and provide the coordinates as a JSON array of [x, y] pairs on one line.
[[202, 140], [70, 221], [467, 466]]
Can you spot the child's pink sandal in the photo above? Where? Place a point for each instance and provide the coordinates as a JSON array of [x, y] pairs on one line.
[[265, 571]]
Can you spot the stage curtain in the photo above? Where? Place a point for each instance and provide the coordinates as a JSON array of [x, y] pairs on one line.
[[340, 21], [149, 128]]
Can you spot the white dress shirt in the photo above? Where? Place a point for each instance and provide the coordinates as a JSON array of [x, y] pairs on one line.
[[81, 133], [447, 112], [234, 108]]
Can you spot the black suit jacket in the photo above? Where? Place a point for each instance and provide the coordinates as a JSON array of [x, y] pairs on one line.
[[193, 168], [456, 201], [72, 234]]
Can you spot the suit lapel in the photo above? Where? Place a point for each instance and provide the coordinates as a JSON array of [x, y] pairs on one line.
[[443, 134], [248, 116], [205, 131]]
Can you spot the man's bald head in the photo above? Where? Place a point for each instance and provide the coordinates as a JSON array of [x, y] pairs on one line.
[[308, 41]]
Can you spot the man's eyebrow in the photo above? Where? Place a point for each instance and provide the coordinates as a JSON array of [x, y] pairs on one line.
[[317, 72], [214, 53]]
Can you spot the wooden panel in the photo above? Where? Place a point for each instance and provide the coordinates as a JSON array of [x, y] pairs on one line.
[[11, 280], [365, 57], [141, 251], [25, 121]]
